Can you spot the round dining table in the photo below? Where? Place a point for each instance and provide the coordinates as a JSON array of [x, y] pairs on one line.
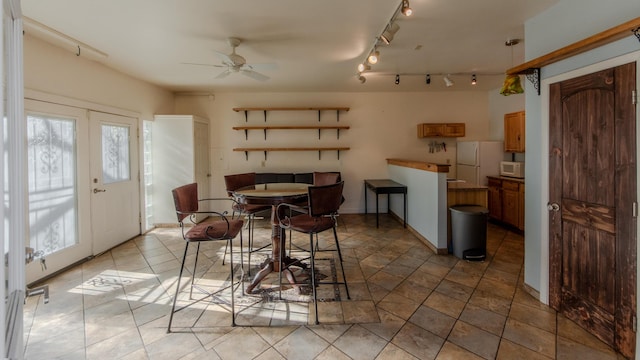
[[274, 194]]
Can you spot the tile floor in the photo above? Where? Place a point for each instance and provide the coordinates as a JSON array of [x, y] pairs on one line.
[[406, 303]]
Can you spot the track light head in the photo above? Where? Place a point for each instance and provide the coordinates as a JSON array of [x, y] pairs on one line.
[[473, 79], [373, 57], [362, 79], [406, 9], [363, 68], [389, 32], [397, 79], [447, 81], [428, 79]]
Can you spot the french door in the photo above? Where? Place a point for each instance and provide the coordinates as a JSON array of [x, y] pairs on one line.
[[83, 184], [115, 189], [58, 186]]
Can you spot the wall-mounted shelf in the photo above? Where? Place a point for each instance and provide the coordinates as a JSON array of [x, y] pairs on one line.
[[615, 33], [289, 127], [265, 109], [267, 149]]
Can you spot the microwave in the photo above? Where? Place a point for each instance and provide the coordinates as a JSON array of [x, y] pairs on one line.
[[513, 169]]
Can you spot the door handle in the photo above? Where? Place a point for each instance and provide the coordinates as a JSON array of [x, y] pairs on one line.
[[553, 207], [95, 191]]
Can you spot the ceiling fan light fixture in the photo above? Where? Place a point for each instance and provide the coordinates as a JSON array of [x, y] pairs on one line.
[[447, 81], [406, 8], [373, 57]]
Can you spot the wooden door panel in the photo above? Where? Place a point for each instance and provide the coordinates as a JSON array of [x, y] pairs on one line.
[[589, 267], [588, 214], [592, 156]]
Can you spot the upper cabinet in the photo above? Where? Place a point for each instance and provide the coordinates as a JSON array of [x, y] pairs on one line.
[[441, 130], [514, 127]]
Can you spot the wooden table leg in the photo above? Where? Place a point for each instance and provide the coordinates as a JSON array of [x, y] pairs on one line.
[[278, 238]]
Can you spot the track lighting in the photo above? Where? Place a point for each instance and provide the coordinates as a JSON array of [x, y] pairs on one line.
[[373, 57], [473, 79], [448, 81], [428, 79], [389, 32], [397, 79], [362, 79], [363, 68], [406, 9]]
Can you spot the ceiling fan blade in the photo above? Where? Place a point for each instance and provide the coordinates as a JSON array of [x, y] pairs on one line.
[[225, 58], [262, 66], [255, 75], [198, 64], [223, 74]]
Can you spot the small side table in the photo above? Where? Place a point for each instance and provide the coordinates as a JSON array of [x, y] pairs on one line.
[[385, 186]]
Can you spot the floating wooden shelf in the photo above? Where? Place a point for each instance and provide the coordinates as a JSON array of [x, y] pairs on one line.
[[289, 127], [267, 149], [265, 109], [615, 33], [290, 109]]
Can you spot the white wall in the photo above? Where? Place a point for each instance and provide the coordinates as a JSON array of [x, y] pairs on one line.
[[383, 125], [50, 69]]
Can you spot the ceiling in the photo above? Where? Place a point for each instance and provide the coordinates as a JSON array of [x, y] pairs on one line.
[[309, 45]]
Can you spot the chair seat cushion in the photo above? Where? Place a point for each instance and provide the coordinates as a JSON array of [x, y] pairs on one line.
[[214, 229], [308, 224]]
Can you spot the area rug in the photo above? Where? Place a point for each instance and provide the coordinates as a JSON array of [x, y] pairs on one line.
[[269, 291]]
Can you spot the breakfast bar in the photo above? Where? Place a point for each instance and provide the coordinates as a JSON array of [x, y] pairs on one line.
[[426, 211]]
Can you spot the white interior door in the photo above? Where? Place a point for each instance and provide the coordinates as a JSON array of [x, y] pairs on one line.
[[58, 186], [115, 190]]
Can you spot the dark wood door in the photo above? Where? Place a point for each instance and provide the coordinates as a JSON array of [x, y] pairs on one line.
[[592, 192]]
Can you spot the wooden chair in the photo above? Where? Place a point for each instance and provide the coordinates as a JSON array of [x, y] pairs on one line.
[[216, 227], [324, 202]]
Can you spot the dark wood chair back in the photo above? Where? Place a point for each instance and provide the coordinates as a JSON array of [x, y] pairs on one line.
[[185, 199], [325, 199]]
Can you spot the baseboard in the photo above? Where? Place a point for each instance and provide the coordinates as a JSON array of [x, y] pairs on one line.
[[419, 236]]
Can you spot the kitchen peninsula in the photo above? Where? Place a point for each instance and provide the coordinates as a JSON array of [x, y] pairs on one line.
[[429, 199]]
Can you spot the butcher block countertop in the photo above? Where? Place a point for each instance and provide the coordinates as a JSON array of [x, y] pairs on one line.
[[420, 165], [464, 186]]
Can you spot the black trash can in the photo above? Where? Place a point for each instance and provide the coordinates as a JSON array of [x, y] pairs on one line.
[[469, 231]]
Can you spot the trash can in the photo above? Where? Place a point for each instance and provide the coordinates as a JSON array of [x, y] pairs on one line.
[[469, 231]]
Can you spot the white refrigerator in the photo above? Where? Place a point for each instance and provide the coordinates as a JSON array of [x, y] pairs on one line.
[[475, 160]]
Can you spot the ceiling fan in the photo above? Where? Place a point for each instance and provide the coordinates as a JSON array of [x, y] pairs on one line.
[[235, 63]]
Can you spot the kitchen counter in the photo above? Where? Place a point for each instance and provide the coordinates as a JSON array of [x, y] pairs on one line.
[[420, 165], [426, 200], [464, 186], [520, 180]]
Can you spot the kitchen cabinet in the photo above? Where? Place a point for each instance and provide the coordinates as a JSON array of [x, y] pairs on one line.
[[495, 198], [506, 201], [441, 130], [514, 132], [180, 150]]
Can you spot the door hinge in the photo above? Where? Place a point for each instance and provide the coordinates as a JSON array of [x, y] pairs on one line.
[[635, 323], [635, 210], [634, 97]]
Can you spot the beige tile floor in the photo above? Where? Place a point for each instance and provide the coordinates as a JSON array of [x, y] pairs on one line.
[[406, 303]]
